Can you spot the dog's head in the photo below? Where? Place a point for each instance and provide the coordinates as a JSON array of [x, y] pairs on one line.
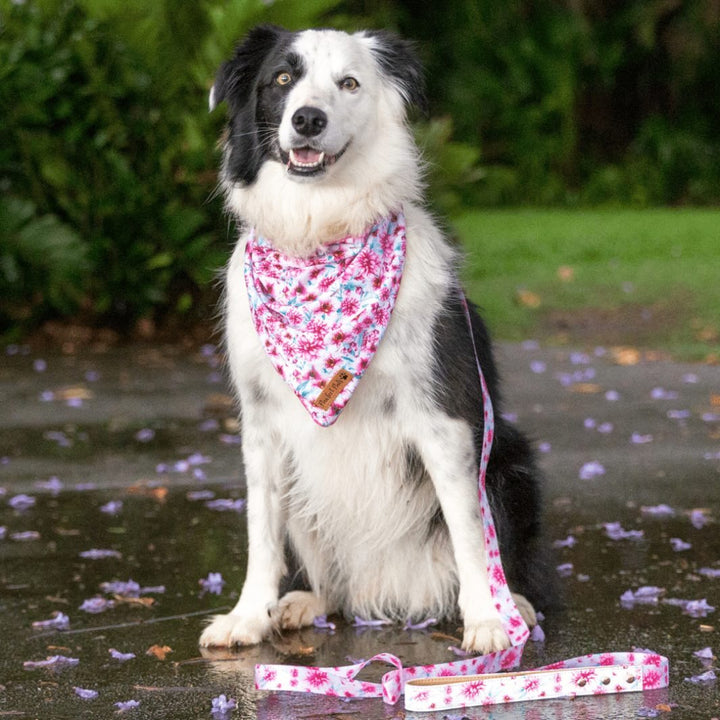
[[303, 100]]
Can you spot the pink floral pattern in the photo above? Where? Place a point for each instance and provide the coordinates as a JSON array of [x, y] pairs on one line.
[[316, 316], [476, 681]]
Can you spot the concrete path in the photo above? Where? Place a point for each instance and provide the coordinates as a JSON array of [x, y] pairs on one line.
[[121, 451]]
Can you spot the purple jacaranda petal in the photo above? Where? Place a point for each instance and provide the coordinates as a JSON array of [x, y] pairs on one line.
[[704, 654], [710, 417], [455, 650], [321, 623], [645, 595], [21, 502], [213, 583], [678, 414], [85, 694], [230, 439], [605, 428], [615, 532], [705, 678], [679, 545], [222, 705], [223, 504], [200, 495], [544, 447], [208, 425], [579, 358], [59, 621], [125, 705], [128, 588], [612, 395], [591, 470], [659, 511], [53, 485], [145, 435], [3, 532], [112, 508], [647, 712], [659, 393], [422, 625], [120, 656], [638, 439], [39, 365], [699, 519], [58, 437], [100, 554], [96, 605], [698, 608], [152, 590], [25, 536], [55, 661], [712, 573], [360, 622], [538, 367], [537, 634], [565, 570], [589, 423]]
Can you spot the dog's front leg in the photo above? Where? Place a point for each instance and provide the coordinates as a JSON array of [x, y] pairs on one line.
[[449, 455], [249, 621]]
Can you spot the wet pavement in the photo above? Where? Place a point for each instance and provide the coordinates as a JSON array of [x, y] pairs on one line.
[[124, 452]]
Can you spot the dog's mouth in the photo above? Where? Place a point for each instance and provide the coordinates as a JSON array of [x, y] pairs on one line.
[[307, 161]]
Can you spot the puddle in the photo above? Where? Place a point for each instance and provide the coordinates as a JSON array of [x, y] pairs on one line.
[[165, 539]]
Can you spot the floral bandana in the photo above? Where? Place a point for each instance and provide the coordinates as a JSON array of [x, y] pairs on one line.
[[321, 318]]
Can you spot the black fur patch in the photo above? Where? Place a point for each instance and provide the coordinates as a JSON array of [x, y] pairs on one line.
[[255, 100], [513, 479], [398, 60]]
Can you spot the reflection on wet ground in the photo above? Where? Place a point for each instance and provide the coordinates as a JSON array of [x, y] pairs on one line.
[[130, 461]]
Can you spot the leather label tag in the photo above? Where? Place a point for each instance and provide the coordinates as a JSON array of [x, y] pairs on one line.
[[332, 389]]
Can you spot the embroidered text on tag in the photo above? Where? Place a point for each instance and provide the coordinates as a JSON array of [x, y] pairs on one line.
[[330, 392]]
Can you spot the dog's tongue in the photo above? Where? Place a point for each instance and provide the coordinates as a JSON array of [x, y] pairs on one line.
[[307, 155]]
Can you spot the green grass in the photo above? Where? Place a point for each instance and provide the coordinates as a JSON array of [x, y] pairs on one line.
[[639, 277]]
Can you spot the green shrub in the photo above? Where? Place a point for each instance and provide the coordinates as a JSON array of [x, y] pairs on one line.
[[107, 140]]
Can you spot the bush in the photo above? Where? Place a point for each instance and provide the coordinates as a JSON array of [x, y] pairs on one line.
[[108, 145]]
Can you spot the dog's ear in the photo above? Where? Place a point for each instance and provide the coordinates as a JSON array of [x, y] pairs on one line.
[[399, 61], [235, 80], [237, 84]]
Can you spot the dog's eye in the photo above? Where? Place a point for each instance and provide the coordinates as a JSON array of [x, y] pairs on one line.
[[349, 83], [284, 78]]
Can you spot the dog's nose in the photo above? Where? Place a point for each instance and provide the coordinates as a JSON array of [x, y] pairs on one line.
[[309, 121]]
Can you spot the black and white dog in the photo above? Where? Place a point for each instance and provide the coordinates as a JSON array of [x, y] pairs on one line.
[[376, 515]]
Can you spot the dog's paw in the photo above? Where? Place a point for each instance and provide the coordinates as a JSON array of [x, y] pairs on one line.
[[485, 636], [236, 629], [297, 609], [526, 609]]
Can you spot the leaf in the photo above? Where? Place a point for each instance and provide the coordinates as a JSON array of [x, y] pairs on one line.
[[528, 299], [160, 652]]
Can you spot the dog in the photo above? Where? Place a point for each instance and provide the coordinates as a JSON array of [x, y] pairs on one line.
[[375, 514]]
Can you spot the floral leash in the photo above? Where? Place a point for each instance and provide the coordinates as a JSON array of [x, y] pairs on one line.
[[480, 680]]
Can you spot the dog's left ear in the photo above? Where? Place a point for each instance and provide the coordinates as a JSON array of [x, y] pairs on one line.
[[398, 60]]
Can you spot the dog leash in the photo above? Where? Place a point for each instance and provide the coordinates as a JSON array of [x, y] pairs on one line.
[[478, 680]]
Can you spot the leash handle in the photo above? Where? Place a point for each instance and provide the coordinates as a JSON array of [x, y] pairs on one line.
[[475, 681]]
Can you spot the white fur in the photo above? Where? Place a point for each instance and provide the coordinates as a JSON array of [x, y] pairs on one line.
[[359, 531]]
